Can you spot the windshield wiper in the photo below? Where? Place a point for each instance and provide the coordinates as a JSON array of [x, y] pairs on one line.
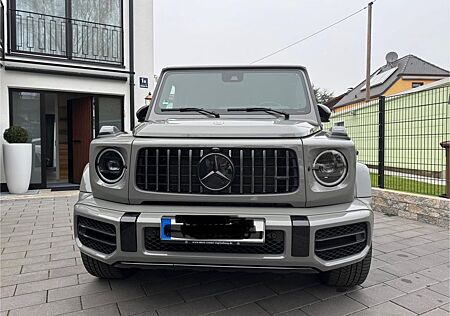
[[255, 109], [198, 110]]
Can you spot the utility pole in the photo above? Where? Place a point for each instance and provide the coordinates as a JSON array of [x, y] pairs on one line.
[[369, 48]]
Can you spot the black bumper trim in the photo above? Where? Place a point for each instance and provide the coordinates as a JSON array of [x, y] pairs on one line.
[[128, 238], [300, 236]]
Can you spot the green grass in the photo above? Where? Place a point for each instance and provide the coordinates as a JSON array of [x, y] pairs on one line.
[[407, 185]]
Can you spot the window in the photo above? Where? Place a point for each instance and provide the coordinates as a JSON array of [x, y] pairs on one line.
[[221, 90], [109, 112], [88, 30], [417, 84], [26, 112]]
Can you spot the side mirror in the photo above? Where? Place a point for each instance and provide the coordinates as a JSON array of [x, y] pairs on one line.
[[141, 114], [324, 112]]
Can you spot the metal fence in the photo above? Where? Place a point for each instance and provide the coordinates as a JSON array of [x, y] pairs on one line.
[[398, 138], [49, 35]]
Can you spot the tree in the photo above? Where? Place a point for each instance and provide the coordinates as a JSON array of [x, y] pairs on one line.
[[323, 95]]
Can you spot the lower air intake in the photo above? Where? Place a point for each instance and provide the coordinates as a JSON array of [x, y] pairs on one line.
[[341, 241], [96, 235]]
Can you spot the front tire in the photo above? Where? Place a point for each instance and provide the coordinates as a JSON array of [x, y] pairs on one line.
[[102, 270], [349, 276]]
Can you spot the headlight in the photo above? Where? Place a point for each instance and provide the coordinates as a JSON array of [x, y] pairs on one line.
[[330, 168], [110, 165]]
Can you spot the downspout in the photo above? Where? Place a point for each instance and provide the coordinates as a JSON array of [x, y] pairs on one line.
[[131, 56]]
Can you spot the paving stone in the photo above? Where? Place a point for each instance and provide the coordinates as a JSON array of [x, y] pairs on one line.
[[286, 302], [47, 309], [13, 255], [377, 276], [60, 272], [109, 297], [422, 301], [243, 310], [403, 269], [385, 309], [50, 251], [430, 260], [439, 273], [46, 284], [177, 283], [245, 295], [292, 282], [411, 282], [78, 290], [198, 307], [375, 295], [149, 303], [340, 305], [10, 270], [26, 248], [19, 301], [436, 312], [20, 262], [107, 310], [24, 278], [7, 291], [65, 255], [324, 292], [48, 265], [442, 288], [203, 290], [396, 257]]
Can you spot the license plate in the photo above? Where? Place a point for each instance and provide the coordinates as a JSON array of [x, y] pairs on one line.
[[238, 231]]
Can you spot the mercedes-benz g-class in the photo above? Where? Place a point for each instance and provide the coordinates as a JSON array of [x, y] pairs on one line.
[[230, 167]]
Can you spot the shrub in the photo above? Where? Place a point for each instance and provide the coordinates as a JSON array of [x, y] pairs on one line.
[[15, 134]]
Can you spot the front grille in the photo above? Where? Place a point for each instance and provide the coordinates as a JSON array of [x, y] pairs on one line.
[[341, 241], [96, 235], [274, 244], [256, 170]]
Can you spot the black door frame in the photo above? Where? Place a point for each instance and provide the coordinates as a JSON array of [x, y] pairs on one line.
[[95, 123]]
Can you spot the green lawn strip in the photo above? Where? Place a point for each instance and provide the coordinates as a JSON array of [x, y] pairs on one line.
[[408, 185]]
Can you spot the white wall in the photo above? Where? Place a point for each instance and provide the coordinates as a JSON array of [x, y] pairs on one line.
[[143, 48]]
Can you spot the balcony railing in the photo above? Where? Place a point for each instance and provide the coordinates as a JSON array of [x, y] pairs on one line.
[[2, 30], [61, 37]]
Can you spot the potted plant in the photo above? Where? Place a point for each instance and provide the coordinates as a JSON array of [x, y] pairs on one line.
[[17, 155]]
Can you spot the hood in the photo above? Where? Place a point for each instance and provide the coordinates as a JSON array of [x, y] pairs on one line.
[[228, 128]]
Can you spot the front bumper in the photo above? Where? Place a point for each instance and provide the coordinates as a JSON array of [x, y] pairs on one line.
[[280, 219]]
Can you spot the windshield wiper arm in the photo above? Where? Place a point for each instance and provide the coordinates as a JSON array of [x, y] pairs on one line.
[[255, 109], [198, 110]]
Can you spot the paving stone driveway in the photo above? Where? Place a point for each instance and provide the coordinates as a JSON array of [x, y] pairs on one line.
[[42, 274]]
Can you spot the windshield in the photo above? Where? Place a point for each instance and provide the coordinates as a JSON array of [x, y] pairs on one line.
[[221, 90]]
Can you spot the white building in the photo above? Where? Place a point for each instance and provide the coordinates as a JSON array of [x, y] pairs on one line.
[[67, 68]]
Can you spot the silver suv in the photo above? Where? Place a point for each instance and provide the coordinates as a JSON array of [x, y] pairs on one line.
[[230, 167]]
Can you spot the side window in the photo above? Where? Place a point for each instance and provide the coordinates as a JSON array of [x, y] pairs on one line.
[[417, 84]]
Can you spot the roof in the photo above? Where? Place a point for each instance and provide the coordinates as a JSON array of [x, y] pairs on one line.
[[387, 75]]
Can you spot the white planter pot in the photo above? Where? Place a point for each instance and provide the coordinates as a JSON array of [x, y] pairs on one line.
[[17, 163]]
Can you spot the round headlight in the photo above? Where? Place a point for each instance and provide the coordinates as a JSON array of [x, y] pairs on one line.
[[330, 168], [110, 165]]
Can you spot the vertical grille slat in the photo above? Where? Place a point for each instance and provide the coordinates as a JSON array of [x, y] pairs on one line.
[[241, 172], [253, 171], [256, 170], [264, 171], [287, 170], [168, 170], [276, 171], [190, 170]]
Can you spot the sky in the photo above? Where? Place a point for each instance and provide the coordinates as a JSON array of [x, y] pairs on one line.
[[223, 32]]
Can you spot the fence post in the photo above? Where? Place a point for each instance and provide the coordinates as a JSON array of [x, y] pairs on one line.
[[381, 140], [446, 146]]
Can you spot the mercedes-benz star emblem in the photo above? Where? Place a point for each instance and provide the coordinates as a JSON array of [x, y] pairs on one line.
[[215, 171]]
